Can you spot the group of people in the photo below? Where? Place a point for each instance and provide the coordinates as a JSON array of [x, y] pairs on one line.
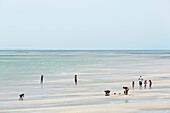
[[126, 89], [141, 82], [107, 92], [76, 81]]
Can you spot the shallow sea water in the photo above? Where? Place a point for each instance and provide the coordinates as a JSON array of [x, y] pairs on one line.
[[20, 72]]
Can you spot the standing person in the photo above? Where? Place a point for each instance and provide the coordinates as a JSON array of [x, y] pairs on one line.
[[140, 80], [145, 83], [75, 79], [133, 83], [150, 83], [42, 79]]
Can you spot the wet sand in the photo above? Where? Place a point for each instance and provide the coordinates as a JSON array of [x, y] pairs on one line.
[[59, 94]]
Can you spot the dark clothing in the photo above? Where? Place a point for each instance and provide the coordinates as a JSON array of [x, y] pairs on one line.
[[140, 83], [107, 92], [75, 79], [42, 78], [140, 80], [126, 90], [133, 84], [150, 83], [21, 96]]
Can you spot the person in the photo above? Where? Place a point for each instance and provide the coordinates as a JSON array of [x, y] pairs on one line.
[[126, 90], [75, 79], [107, 92], [133, 83], [140, 80], [21, 96], [145, 83], [150, 83], [42, 78]]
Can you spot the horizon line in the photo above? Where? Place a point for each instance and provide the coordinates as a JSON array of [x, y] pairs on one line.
[[84, 49]]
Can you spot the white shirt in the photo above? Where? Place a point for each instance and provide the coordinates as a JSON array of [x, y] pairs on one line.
[[140, 79]]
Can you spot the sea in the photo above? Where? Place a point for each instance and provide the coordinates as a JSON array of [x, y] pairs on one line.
[[18, 64], [20, 72]]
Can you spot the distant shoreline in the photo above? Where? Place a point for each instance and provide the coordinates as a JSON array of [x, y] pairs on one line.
[[84, 50]]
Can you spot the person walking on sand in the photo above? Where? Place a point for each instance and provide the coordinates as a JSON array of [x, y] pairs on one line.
[[42, 79], [145, 83], [75, 79], [150, 83], [140, 80], [133, 83]]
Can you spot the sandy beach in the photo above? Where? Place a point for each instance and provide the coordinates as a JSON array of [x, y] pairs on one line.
[[84, 56], [59, 94]]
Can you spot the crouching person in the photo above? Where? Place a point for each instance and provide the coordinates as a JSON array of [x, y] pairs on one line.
[[21, 97], [126, 90], [107, 92]]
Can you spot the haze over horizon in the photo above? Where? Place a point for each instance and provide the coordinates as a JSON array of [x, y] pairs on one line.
[[84, 25]]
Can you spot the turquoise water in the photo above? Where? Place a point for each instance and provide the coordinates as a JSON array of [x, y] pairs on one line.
[[28, 65], [52, 62], [20, 71]]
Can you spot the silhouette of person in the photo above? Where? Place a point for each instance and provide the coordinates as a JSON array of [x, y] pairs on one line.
[[145, 83], [126, 90], [140, 80], [42, 78], [21, 96], [107, 92], [75, 79], [150, 83], [133, 83]]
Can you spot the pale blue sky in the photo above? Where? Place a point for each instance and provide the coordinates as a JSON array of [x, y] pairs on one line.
[[84, 24]]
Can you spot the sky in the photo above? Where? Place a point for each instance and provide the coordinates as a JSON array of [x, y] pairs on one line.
[[85, 24]]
